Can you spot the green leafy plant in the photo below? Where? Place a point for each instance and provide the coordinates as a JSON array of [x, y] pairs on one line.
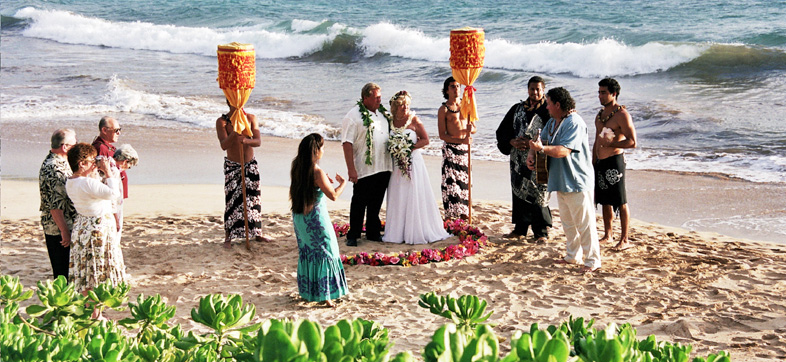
[[609, 345], [229, 319], [59, 300], [466, 311], [60, 328], [450, 343], [11, 290], [541, 345]]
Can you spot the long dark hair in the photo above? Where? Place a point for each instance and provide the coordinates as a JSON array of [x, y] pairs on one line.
[[302, 189]]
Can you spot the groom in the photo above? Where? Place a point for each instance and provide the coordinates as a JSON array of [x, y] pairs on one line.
[[364, 136]]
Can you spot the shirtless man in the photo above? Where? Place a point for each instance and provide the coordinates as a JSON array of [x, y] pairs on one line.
[[231, 141], [614, 132], [457, 134]]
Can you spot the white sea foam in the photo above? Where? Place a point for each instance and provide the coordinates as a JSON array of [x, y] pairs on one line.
[[164, 110], [73, 28], [771, 226], [770, 168], [606, 57], [405, 43]]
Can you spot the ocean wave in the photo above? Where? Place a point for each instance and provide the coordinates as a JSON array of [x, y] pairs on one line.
[[10, 22], [67, 27], [736, 58], [162, 109], [745, 166], [334, 42]]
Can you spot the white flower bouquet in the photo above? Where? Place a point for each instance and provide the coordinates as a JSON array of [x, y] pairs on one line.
[[400, 148]]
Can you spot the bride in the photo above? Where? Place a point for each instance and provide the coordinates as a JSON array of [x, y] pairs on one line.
[[412, 213]]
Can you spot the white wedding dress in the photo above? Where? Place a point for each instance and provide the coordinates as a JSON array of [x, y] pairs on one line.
[[412, 213]]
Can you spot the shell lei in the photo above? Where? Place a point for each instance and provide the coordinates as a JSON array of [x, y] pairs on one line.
[[369, 124], [400, 148]]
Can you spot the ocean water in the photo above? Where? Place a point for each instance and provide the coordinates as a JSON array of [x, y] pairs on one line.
[[704, 82]]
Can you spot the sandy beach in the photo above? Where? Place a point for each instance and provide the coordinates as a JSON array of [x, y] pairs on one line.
[[702, 288]]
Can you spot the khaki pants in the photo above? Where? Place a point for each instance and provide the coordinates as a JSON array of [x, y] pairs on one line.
[[578, 220]]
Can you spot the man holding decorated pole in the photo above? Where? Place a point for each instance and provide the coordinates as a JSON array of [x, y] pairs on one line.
[[238, 134]]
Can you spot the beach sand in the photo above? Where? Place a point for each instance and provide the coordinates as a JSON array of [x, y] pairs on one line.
[[712, 291]]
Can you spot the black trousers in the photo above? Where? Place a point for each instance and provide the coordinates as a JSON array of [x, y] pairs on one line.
[[367, 196], [58, 255], [526, 215]]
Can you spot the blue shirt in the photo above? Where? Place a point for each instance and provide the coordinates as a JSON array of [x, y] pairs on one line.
[[573, 173]]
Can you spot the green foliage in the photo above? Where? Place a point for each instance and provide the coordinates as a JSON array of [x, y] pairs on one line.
[[609, 345], [721, 356], [59, 300], [356, 340], [452, 343], [107, 296], [223, 313], [541, 345], [105, 342], [60, 329], [467, 311], [11, 290], [150, 315]]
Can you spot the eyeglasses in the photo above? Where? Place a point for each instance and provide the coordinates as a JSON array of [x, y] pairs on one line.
[[115, 130]]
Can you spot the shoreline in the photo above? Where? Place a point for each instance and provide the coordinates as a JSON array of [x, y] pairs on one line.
[[191, 157], [702, 288]]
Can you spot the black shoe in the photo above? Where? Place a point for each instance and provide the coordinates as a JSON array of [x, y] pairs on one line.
[[375, 238], [352, 242]]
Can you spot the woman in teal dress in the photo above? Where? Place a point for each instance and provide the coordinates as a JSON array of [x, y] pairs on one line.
[[320, 274]]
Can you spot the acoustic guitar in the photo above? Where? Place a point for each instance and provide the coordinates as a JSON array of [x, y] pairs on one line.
[[541, 166]]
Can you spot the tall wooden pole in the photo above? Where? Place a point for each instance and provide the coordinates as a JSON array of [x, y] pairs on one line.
[[469, 173], [243, 185]]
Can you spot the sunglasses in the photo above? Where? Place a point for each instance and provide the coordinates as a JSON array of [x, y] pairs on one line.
[[115, 130]]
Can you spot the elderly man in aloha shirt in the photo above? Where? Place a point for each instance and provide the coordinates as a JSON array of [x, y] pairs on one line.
[[571, 176], [364, 136], [57, 210]]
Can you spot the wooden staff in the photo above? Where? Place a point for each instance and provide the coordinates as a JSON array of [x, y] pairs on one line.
[[469, 172], [243, 185]]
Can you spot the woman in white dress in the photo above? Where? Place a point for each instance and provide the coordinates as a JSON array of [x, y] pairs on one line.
[[95, 251], [412, 213]]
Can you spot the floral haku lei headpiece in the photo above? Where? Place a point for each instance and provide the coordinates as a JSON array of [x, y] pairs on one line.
[[400, 94], [369, 124]]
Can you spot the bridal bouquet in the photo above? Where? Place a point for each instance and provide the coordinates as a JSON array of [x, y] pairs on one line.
[[400, 148]]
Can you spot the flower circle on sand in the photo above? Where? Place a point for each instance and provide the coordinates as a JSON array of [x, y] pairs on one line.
[[471, 240]]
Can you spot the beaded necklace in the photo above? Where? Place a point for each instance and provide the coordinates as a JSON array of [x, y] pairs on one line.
[[450, 110], [604, 120]]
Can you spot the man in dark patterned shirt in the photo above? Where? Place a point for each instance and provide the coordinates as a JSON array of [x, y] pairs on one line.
[[57, 210]]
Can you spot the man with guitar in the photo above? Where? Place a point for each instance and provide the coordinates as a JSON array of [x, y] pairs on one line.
[[571, 177], [522, 123]]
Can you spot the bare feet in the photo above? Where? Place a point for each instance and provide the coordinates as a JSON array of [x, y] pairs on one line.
[[330, 304], [605, 239], [228, 244], [262, 239], [541, 240], [562, 261], [623, 245], [512, 235], [586, 270]]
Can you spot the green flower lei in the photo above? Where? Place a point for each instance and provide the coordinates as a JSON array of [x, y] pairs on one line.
[[369, 124]]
